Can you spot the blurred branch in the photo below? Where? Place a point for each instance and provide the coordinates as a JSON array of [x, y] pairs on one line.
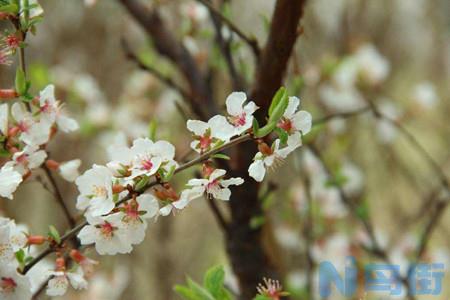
[[225, 48], [160, 76], [251, 41], [167, 45]]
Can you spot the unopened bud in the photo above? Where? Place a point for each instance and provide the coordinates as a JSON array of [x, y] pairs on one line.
[[117, 188], [52, 164], [60, 264], [265, 149], [77, 256], [207, 170], [13, 131], [8, 94], [36, 240]]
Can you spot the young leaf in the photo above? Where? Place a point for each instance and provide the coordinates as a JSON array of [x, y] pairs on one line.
[[10, 9], [199, 290], [54, 234], [213, 280], [276, 99], [265, 130], [152, 129], [142, 183], [279, 109], [185, 292], [20, 83], [282, 134]]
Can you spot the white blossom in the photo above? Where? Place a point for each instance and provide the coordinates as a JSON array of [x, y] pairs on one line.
[[57, 286], [95, 187], [51, 110], [215, 185], [4, 119], [262, 161], [241, 116], [372, 65], [31, 157], [425, 95], [106, 233], [293, 120], [32, 132], [13, 286], [186, 197], [209, 134]]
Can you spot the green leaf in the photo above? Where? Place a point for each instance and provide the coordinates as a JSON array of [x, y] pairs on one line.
[[142, 183], [10, 9], [202, 293], [54, 234], [220, 156], [169, 174], [279, 108], [20, 256], [276, 99], [213, 281], [152, 126], [282, 134], [21, 83], [185, 292], [261, 297], [255, 126], [257, 222], [265, 130]]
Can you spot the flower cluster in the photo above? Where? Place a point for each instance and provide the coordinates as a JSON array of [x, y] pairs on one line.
[[25, 130]]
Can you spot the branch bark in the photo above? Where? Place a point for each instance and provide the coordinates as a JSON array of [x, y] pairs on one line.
[[249, 258]]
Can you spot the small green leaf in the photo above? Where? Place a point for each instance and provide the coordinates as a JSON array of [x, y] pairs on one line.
[[142, 183], [54, 234], [282, 134], [169, 174], [202, 293], [276, 99], [255, 126], [279, 109], [265, 130], [10, 9], [213, 280], [21, 84], [220, 156], [20, 256], [185, 292], [257, 222]]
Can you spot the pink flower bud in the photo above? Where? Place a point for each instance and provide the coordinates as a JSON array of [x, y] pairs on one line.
[[52, 164], [36, 240]]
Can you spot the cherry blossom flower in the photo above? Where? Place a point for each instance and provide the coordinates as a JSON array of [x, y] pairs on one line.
[[134, 215], [106, 233], [51, 110], [9, 181], [13, 286], [86, 264], [30, 158], [210, 134], [268, 157], [293, 120], [185, 198], [241, 116], [96, 194], [215, 185], [372, 65], [58, 285], [31, 131], [69, 169]]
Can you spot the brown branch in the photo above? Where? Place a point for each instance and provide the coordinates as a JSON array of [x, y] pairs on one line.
[[251, 41]]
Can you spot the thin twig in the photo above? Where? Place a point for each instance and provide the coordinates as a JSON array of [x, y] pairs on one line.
[[252, 42]]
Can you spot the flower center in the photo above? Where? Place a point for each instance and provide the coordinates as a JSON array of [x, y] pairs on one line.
[[107, 230], [23, 126], [205, 142], [12, 41], [22, 159], [46, 107], [212, 185], [146, 164], [100, 191], [286, 125], [8, 284], [239, 120]]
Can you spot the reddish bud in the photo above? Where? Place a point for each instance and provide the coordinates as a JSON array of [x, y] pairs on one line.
[[60, 264], [52, 164], [207, 170], [13, 131], [265, 149], [117, 188], [77, 256], [36, 240], [8, 94]]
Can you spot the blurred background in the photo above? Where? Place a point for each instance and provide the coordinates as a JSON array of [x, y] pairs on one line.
[[394, 54]]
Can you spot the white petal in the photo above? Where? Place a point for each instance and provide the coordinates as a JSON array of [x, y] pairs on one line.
[[302, 121], [36, 159], [165, 211], [231, 181], [216, 174], [69, 170], [222, 194], [47, 95], [149, 204], [220, 128], [87, 235], [66, 124], [18, 112], [57, 286], [163, 149], [9, 181], [293, 104], [77, 280], [234, 103], [257, 170], [197, 182], [250, 108], [197, 127]]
